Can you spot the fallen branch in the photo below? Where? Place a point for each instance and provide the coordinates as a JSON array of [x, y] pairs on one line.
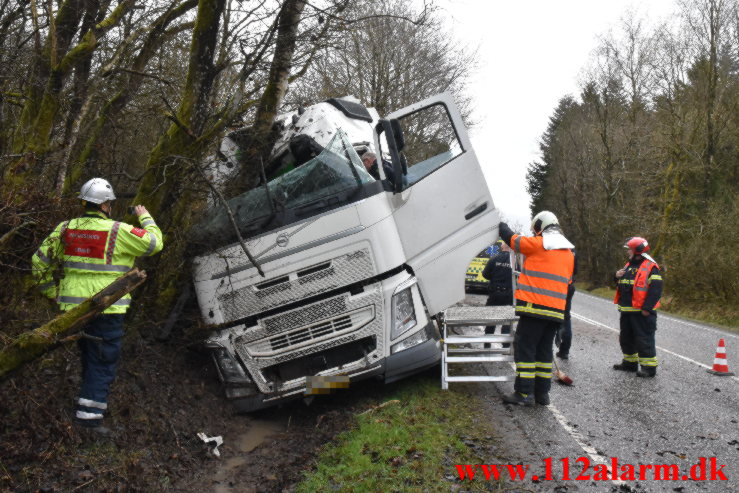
[[30, 345], [375, 408]]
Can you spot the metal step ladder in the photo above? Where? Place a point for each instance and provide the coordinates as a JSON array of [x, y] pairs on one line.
[[466, 316]]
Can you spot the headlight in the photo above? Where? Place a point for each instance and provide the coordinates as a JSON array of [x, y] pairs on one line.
[[229, 369], [404, 315], [410, 341]]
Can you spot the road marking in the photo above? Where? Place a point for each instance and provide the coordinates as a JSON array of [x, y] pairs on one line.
[[578, 437], [598, 324], [722, 333]]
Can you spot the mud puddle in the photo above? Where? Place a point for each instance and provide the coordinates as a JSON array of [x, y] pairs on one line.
[[259, 431]]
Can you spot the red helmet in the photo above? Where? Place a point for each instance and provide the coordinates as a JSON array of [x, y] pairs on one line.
[[637, 245]]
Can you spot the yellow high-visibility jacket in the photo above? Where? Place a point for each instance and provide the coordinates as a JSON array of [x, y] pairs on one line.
[[90, 252]]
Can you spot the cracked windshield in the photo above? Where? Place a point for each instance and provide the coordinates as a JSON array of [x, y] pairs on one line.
[[323, 183]]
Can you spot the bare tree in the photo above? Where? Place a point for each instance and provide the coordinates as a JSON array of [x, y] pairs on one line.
[[393, 56]]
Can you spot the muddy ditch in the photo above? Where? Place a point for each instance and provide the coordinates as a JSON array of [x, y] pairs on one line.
[[164, 395]]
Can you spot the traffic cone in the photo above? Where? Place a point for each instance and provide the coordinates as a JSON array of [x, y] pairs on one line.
[[720, 366]]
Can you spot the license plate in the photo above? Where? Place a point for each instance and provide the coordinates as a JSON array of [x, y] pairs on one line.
[[320, 384]]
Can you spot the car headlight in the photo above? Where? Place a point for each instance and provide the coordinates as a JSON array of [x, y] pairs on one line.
[[403, 313]]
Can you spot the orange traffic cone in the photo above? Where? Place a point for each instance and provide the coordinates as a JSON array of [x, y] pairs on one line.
[[720, 366]]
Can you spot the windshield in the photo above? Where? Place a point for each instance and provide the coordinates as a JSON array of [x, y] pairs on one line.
[[333, 178]]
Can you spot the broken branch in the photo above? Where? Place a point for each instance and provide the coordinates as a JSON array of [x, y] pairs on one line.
[[30, 345], [233, 222]]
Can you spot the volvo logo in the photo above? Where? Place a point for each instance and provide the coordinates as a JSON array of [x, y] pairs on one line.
[[282, 240]]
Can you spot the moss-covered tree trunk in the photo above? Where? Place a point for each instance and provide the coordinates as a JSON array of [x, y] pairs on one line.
[[101, 128], [164, 188], [261, 138], [41, 110], [30, 345]]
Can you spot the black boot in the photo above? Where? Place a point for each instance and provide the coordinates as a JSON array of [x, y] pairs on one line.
[[626, 366], [561, 355], [647, 372], [542, 399], [519, 399]]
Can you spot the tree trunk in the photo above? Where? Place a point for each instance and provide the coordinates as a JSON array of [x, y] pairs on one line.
[[260, 140], [163, 189], [40, 114], [71, 169], [30, 345]]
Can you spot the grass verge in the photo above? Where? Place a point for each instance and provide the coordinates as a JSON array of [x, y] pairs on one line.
[[726, 317], [412, 442]]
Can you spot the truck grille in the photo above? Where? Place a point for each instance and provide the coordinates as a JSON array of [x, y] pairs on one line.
[[348, 328], [310, 333]]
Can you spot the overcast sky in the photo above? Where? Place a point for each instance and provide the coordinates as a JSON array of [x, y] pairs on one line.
[[531, 53]]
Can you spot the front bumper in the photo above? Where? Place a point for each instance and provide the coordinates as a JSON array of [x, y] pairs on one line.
[[414, 359]]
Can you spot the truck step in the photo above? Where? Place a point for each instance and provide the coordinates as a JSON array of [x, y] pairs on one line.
[[494, 350], [479, 359], [487, 378], [479, 315], [477, 338]]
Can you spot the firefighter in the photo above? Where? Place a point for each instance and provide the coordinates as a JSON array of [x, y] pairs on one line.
[[639, 288], [500, 289], [541, 297], [78, 259]]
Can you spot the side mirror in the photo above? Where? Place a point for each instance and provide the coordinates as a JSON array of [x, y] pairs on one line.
[[398, 134], [392, 144]]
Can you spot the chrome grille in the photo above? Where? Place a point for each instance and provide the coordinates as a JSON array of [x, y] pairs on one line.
[[309, 333]]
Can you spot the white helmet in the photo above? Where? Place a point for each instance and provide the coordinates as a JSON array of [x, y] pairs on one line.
[[97, 191], [542, 221]]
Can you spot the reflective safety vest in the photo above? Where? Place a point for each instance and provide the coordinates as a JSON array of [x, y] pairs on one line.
[[641, 285], [544, 280], [84, 255]]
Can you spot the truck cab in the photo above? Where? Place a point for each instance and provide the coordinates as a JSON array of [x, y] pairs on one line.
[[356, 269]]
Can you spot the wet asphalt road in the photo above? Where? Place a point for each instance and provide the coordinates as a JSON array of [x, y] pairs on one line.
[[683, 414]]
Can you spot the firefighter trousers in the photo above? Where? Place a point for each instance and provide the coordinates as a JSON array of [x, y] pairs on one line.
[[533, 355], [637, 340], [100, 350], [565, 337]]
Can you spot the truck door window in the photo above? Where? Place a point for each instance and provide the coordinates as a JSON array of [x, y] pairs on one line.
[[430, 141]]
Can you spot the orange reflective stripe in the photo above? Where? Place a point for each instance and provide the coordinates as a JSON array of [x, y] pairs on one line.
[[543, 291], [545, 275]]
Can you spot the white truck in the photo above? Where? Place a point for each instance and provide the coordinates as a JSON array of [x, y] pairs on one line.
[[356, 268]]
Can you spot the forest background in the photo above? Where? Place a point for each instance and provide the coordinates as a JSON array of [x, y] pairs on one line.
[[650, 148], [142, 91]]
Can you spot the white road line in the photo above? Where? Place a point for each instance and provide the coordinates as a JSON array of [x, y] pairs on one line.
[[598, 324], [578, 437], [722, 333]]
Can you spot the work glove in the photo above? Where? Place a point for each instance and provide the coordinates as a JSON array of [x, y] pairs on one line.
[[505, 233]]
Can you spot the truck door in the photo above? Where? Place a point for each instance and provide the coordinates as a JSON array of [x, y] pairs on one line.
[[442, 208]]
